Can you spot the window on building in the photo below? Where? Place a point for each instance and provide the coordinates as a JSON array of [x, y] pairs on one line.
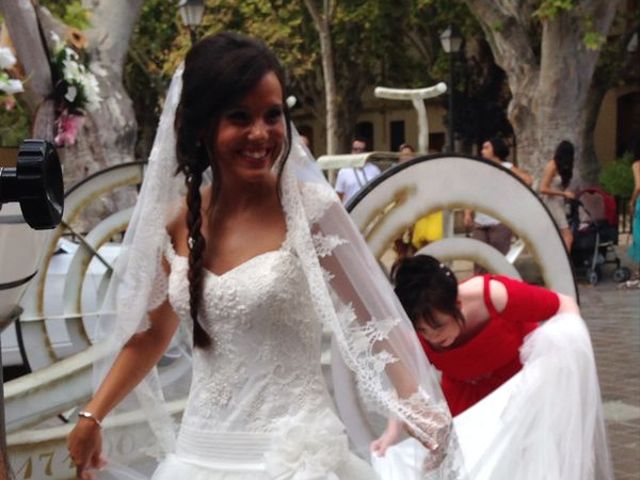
[[628, 121], [364, 130], [396, 129], [436, 142]]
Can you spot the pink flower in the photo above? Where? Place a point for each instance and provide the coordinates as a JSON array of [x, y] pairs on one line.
[[68, 128], [9, 103]]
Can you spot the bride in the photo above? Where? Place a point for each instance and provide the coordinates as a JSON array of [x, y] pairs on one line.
[[252, 266]]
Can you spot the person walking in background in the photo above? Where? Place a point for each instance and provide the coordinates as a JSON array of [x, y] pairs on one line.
[[351, 179], [634, 210], [405, 153], [554, 188], [484, 227]]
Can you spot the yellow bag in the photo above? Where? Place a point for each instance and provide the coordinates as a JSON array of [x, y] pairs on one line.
[[427, 229]]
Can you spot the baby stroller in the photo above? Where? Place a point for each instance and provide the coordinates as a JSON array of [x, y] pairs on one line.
[[594, 222]]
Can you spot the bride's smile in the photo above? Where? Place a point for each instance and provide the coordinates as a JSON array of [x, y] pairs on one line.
[[250, 135]]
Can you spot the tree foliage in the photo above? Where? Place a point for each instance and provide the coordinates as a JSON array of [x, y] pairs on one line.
[[617, 176], [71, 12], [480, 92], [151, 61]]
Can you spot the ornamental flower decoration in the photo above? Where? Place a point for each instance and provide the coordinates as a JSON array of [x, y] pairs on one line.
[[76, 90], [309, 446], [8, 86]]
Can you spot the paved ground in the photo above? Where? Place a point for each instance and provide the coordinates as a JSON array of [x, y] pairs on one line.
[[613, 316]]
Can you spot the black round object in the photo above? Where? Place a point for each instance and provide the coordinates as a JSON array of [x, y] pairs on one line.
[[35, 182]]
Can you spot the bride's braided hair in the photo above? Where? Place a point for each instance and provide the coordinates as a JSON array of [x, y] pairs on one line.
[[219, 71]]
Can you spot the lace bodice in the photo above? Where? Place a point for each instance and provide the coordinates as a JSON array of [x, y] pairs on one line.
[[264, 363]]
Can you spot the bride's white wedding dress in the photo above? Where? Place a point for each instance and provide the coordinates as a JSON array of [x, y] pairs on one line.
[[258, 406]]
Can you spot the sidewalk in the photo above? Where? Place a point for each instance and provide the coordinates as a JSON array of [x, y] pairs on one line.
[[613, 317]]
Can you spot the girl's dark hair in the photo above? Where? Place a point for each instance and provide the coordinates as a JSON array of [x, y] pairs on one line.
[[424, 285], [219, 71], [500, 148], [564, 161]]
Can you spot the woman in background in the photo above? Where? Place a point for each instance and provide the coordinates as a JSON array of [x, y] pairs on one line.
[[556, 177], [484, 227], [634, 209]]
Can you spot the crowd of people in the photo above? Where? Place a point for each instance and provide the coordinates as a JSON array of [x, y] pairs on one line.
[[245, 272]]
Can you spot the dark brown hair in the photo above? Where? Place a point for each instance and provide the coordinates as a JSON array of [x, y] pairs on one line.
[[219, 71], [500, 148], [563, 158], [423, 286]]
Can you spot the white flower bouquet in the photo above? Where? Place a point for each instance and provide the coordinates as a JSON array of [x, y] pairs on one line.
[[76, 91], [74, 82], [8, 86]]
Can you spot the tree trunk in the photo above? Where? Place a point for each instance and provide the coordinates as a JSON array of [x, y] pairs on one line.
[[589, 166], [322, 25], [22, 25], [549, 96]]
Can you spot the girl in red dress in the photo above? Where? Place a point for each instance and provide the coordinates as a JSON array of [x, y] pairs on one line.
[[471, 332]]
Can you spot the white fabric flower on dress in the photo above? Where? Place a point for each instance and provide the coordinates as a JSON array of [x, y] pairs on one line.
[[307, 447]]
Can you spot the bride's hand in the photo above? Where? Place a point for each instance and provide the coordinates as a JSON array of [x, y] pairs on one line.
[[389, 438], [85, 448], [432, 430]]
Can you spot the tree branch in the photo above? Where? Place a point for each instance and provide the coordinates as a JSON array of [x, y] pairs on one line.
[[112, 26], [506, 29], [315, 14]]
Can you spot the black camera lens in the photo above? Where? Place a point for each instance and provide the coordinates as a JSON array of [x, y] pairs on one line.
[[35, 182]]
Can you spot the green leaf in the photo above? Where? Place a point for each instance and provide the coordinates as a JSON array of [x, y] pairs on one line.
[[550, 8], [617, 178], [594, 40]]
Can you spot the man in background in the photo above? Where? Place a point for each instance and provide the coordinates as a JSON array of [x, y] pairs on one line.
[[351, 179]]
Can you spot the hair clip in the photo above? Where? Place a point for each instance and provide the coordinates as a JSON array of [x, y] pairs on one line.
[[190, 242], [447, 272]]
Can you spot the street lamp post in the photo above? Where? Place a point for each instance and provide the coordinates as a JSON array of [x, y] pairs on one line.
[[451, 42], [191, 12]]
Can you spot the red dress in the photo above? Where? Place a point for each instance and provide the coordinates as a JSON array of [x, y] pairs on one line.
[[476, 368]]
